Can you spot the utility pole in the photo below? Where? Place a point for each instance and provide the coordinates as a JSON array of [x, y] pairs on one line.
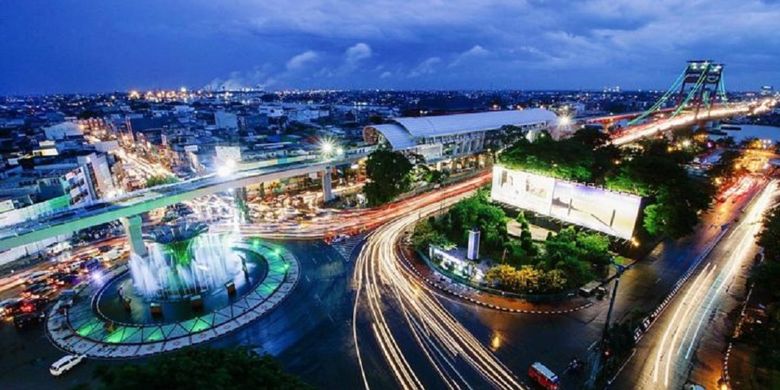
[[601, 348], [620, 270]]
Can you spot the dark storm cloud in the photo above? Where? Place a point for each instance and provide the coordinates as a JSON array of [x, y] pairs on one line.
[[104, 45]]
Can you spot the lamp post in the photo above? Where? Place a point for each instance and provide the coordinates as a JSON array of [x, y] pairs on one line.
[[620, 268], [601, 351]]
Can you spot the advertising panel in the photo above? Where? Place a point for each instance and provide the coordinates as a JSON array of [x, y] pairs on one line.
[[605, 211], [522, 189]]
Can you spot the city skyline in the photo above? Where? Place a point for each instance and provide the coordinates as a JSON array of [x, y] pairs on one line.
[[96, 47]]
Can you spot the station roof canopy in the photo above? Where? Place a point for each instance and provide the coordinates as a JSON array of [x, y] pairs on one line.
[[432, 126], [396, 135], [404, 133]]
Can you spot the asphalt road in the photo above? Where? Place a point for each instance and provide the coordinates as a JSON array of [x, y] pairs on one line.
[[670, 349], [311, 331]]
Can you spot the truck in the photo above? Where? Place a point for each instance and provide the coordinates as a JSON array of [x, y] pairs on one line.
[[543, 376], [59, 247]]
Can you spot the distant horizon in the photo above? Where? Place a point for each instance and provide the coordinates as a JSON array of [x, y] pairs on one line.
[[313, 90]]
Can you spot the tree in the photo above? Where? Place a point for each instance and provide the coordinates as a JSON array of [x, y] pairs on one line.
[[587, 156], [595, 248], [425, 234], [502, 275], [555, 280], [526, 239], [529, 278], [158, 180], [726, 167], [388, 175], [575, 253], [526, 278], [674, 199], [200, 368], [477, 212]]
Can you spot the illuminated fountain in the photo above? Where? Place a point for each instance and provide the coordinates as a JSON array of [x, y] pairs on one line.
[[183, 260]]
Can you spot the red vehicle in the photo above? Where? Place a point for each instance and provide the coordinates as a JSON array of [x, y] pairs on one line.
[[543, 376]]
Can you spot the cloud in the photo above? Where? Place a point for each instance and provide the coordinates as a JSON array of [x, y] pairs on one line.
[[474, 52], [300, 60], [258, 77], [357, 53], [426, 67], [466, 43]]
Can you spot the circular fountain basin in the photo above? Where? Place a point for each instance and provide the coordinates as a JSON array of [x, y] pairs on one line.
[[99, 326]]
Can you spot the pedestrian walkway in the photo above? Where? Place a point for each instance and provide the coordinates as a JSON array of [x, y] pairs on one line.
[[346, 247]]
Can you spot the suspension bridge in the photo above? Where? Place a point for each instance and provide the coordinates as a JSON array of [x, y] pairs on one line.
[[696, 97]]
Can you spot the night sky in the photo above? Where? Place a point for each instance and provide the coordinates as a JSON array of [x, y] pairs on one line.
[[90, 46]]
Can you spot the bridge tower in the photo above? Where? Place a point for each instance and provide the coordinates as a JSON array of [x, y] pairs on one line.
[[701, 85], [698, 86]]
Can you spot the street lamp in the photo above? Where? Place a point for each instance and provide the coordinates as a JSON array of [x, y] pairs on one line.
[[329, 148], [619, 272], [326, 147], [603, 351]]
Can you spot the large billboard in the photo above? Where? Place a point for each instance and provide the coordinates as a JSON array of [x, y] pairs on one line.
[[609, 212]]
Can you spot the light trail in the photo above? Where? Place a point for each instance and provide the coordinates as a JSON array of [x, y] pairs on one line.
[[685, 300], [646, 130], [683, 328], [354, 221], [380, 280]]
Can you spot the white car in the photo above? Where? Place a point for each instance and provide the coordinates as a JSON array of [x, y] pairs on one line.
[[65, 363]]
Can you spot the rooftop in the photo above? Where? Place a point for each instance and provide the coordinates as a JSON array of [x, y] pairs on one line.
[[454, 124], [402, 132]]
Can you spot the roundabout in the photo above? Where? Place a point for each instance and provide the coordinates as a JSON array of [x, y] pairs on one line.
[[163, 302]]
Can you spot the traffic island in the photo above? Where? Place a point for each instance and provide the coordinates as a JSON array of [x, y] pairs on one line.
[[559, 304], [84, 329]]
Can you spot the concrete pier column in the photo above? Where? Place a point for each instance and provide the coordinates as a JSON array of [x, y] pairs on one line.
[[241, 202], [327, 186], [132, 226]]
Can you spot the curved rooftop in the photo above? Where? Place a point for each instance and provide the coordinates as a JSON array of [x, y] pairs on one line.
[[402, 133], [431, 126]]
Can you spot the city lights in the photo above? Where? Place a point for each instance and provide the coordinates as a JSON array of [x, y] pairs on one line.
[[226, 168], [329, 148], [450, 203], [326, 147]]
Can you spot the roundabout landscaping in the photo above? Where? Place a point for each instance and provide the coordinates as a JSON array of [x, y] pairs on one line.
[[83, 329]]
